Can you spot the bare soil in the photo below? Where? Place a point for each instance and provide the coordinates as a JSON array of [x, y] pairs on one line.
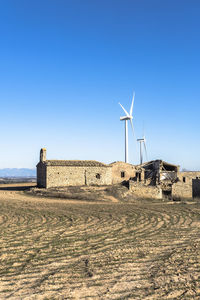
[[57, 248]]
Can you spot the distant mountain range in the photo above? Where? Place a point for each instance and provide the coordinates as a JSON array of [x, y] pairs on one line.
[[15, 172]]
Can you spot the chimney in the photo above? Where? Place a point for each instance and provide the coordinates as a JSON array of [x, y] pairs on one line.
[[43, 152]]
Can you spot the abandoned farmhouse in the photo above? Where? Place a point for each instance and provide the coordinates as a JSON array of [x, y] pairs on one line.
[[154, 179]]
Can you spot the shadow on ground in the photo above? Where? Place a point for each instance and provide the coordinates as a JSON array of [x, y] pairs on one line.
[[17, 187]]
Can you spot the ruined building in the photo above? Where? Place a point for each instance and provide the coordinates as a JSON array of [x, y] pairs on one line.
[[153, 179], [161, 180]]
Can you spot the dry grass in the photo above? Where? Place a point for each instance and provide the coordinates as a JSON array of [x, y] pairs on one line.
[[62, 249]]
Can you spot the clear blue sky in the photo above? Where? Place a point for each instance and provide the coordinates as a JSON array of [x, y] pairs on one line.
[[65, 65]]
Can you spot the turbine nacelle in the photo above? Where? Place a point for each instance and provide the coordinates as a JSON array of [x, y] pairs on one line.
[[126, 118], [141, 140]]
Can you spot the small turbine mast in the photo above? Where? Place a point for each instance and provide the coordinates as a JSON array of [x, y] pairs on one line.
[[126, 118], [142, 142]]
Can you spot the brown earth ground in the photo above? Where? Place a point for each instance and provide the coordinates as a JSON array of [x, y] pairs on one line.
[[102, 247]]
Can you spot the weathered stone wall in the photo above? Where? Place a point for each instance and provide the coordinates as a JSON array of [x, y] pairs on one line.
[[41, 175], [118, 168], [188, 176], [77, 175], [181, 190], [145, 191], [188, 185], [92, 177]]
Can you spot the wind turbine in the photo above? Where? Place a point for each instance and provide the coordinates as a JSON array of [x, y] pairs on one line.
[[142, 141], [128, 117]]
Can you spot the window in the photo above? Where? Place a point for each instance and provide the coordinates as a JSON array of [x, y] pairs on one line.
[[122, 174], [184, 179], [98, 176]]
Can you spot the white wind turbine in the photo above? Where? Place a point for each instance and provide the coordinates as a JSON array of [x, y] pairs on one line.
[[129, 116], [142, 141]]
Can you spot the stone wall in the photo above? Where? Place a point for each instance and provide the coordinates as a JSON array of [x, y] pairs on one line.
[[122, 168], [145, 191], [77, 175], [92, 176], [188, 176], [188, 185], [181, 190], [41, 175]]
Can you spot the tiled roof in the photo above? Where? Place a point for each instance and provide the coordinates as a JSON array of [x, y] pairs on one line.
[[75, 163]]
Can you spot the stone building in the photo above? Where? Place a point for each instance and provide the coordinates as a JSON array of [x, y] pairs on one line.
[[55, 173]]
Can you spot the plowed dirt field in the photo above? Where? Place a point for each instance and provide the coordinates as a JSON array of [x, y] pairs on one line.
[[67, 249]]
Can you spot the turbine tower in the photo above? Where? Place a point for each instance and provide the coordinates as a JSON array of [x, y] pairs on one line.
[[142, 141], [128, 117]]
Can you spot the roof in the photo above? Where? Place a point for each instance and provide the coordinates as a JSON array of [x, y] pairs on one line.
[[120, 162], [160, 161], [75, 163]]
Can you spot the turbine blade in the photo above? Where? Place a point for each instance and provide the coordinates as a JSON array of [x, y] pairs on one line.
[[131, 109], [132, 127], [124, 110], [145, 148]]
